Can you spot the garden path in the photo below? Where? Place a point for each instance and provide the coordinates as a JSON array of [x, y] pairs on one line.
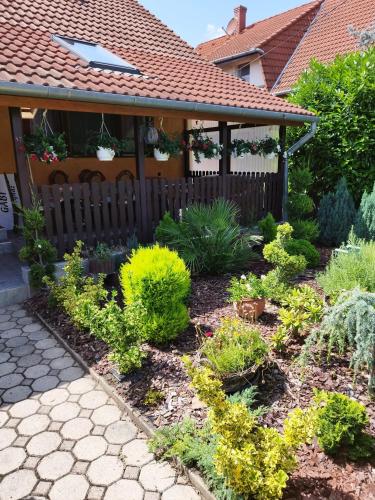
[[61, 436]]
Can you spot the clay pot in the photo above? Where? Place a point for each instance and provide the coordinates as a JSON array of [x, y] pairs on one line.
[[250, 309]]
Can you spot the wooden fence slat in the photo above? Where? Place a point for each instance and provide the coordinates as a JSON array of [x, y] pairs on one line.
[[69, 227], [105, 211], [116, 232], [122, 204], [48, 210], [77, 206], [87, 211], [96, 203], [140, 230], [56, 195], [156, 199]]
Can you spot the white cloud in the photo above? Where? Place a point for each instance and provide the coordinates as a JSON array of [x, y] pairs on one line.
[[213, 31]]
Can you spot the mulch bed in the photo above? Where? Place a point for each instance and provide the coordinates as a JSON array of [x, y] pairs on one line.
[[282, 386]]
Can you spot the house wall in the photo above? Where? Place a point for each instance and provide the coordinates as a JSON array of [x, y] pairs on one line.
[[7, 159], [256, 70]]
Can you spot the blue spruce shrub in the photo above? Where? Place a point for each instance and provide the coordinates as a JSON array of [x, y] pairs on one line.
[[365, 221]]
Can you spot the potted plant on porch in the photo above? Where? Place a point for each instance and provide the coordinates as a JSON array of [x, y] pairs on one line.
[[202, 146], [269, 148], [102, 261], [104, 145], [166, 146], [248, 296]]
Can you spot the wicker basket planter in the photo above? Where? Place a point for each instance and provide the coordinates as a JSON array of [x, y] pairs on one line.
[[250, 309]]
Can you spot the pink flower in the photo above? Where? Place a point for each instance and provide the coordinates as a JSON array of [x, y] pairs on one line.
[[208, 334]]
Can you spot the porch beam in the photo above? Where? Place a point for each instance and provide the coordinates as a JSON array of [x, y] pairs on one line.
[[23, 170], [236, 126], [224, 162], [140, 172]]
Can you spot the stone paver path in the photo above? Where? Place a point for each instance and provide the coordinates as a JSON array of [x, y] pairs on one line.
[[61, 436]]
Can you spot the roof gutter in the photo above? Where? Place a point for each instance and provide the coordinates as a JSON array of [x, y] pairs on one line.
[[240, 55], [310, 134]]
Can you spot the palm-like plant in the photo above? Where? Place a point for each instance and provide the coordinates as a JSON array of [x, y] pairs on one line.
[[208, 237]]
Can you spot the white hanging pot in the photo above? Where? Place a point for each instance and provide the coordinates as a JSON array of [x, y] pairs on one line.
[[159, 156], [271, 156], [105, 154]]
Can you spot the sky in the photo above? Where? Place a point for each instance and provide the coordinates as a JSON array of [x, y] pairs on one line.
[[200, 20]]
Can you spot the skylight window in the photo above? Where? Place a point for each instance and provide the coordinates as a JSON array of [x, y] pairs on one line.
[[96, 55]]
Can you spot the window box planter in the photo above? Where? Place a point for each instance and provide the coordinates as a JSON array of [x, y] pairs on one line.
[[105, 154], [250, 309]]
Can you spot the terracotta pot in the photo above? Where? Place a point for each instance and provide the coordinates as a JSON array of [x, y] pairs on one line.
[[98, 266], [250, 309]]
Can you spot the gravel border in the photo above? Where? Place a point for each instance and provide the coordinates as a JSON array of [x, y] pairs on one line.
[[140, 421]]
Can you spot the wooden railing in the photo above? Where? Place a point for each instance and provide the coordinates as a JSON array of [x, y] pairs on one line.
[[112, 212]]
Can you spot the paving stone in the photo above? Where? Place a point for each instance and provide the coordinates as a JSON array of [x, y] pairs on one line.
[[55, 465], [45, 383], [32, 327], [105, 470], [13, 422], [93, 399], [76, 428], [27, 381], [136, 453], [72, 373], [71, 486], [80, 467], [98, 430], [21, 441], [43, 443], [26, 320], [12, 332], [6, 368], [132, 488], [95, 493], [19, 484], [157, 476], [14, 307], [60, 363], [3, 418], [55, 426], [67, 445], [37, 371], [151, 495], [179, 491], [33, 425], [85, 413], [4, 318], [16, 341], [54, 397], [42, 488], [7, 325], [90, 448], [21, 313], [31, 463], [4, 356], [10, 380], [38, 335], [46, 344], [131, 472], [30, 360], [74, 398], [44, 410], [16, 394], [106, 415], [65, 411], [53, 353], [114, 449], [11, 458], [120, 432], [22, 350]]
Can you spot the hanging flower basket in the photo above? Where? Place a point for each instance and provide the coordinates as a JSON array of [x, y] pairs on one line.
[[103, 144], [267, 147], [159, 156], [166, 146], [45, 146], [105, 154], [202, 146]]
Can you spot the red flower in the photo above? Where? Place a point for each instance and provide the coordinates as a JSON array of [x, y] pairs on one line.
[[33, 157], [208, 334]]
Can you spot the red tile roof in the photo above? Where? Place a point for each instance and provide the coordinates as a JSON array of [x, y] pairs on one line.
[[170, 68], [328, 36]]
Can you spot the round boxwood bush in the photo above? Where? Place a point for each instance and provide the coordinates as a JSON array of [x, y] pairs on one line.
[[157, 278], [305, 248]]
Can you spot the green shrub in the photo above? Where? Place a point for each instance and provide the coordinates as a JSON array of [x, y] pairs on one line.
[[300, 203], [246, 287], [336, 215], [349, 325], [287, 267], [342, 95], [340, 422], [254, 461], [305, 229], [234, 347], [305, 248], [346, 271], [38, 252], [157, 278], [365, 220], [302, 308], [268, 228], [208, 238]]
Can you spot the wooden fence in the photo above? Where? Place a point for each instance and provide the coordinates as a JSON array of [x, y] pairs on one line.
[[113, 212]]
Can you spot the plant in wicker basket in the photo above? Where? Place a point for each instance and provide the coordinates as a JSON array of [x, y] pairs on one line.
[[234, 351]]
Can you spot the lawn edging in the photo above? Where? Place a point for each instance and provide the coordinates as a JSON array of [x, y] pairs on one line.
[[140, 421]]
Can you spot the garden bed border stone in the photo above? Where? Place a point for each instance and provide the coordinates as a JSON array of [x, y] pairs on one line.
[[140, 421]]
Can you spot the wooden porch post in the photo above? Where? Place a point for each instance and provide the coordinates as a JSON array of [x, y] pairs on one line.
[[283, 176], [140, 170], [186, 137], [21, 160], [224, 163]]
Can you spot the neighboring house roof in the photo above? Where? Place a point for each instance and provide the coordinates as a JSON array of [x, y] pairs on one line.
[[327, 37], [290, 40], [170, 68], [277, 36]]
